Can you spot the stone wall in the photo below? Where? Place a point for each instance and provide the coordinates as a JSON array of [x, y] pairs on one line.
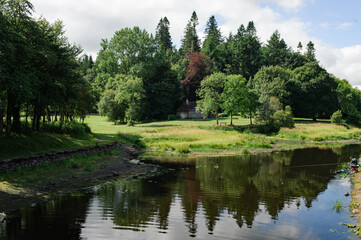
[[33, 160]]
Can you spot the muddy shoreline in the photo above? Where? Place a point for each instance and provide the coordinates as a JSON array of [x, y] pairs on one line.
[[29, 192]]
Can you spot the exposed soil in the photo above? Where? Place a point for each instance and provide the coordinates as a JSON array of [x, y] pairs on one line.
[[27, 192], [356, 201]]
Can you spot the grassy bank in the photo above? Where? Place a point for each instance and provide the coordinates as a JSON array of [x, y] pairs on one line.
[[184, 136], [196, 137]]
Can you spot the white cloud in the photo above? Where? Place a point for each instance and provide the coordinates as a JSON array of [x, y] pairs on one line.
[[88, 21], [345, 26], [290, 4], [344, 63]]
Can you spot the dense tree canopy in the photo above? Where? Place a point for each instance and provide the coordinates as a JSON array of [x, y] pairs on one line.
[[40, 72], [138, 76]]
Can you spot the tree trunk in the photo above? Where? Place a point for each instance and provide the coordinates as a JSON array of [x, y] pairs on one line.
[[8, 116], [48, 114], [231, 119], [56, 116], [1, 121], [250, 117], [16, 119], [217, 117], [37, 121]]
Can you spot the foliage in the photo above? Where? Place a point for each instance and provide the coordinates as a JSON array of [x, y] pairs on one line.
[[212, 40], [272, 82], [162, 35], [276, 51], [235, 95], [284, 118], [172, 117], [210, 94], [313, 92], [336, 117], [199, 67], [245, 50], [190, 41], [354, 118]]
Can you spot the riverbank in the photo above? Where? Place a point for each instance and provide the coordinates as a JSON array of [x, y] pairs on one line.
[[179, 138], [28, 186], [356, 201], [198, 138]]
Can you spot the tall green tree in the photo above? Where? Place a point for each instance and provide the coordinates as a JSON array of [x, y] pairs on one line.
[[310, 52], [272, 81], [235, 95], [162, 34], [246, 51], [210, 94], [212, 40], [276, 51], [190, 41], [130, 92], [313, 92]]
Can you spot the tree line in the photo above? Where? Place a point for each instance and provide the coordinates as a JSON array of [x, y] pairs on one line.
[[273, 75], [137, 76], [40, 75]]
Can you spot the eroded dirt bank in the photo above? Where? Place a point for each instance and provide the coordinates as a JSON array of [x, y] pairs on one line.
[[24, 191]]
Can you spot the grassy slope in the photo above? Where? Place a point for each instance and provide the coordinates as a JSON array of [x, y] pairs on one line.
[[200, 137], [180, 136]]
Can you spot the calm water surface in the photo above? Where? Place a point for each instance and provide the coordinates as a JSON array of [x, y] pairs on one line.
[[284, 195]]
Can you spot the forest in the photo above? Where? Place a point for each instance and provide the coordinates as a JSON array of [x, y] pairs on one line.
[[47, 82]]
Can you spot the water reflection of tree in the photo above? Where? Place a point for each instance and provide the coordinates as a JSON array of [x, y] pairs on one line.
[[60, 219], [136, 203], [272, 180], [237, 186]]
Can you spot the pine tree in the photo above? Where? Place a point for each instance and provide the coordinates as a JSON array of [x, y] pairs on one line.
[[310, 52], [213, 38], [276, 51], [162, 35], [190, 42]]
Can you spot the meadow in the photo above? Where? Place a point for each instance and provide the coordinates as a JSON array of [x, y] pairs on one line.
[[193, 137]]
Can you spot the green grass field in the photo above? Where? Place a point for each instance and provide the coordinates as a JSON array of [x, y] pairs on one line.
[[183, 136]]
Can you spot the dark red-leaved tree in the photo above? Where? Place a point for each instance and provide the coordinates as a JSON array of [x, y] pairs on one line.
[[199, 67]]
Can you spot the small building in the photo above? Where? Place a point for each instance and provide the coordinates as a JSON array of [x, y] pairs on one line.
[[188, 111]]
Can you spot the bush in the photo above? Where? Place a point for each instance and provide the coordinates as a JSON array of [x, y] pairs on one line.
[[284, 118], [172, 117], [336, 117], [268, 128], [183, 149]]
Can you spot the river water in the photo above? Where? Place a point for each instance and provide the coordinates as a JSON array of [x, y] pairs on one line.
[[283, 195]]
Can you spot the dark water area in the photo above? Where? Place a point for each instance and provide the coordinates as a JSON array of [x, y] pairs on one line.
[[283, 195]]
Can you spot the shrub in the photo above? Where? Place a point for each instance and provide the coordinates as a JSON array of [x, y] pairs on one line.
[[336, 117], [75, 128], [267, 128], [284, 118], [172, 117], [183, 149]]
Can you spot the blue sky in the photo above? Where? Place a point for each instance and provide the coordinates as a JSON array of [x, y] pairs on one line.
[[335, 22], [334, 26]]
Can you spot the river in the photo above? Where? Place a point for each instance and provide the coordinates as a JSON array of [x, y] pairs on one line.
[[281, 195]]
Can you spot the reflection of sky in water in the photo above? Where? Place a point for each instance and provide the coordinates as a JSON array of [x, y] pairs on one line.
[[270, 196], [295, 221]]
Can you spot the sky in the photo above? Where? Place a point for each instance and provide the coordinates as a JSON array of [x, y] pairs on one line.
[[333, 26]]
